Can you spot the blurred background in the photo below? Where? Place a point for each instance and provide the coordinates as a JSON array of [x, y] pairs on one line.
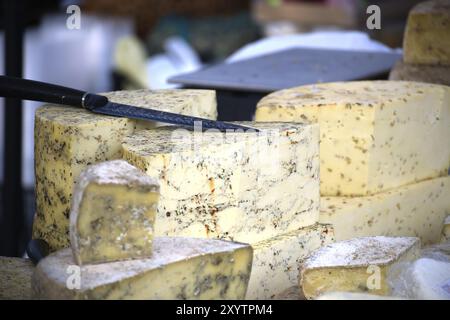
[[140, 44]]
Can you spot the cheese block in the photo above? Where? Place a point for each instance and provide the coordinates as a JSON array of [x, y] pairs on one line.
[[113, 212], [424, 279], [446, 230], [414, 210], [421, 73], [276, 261], [356, 265], [354, 296], [427, 40], [67, 140], [242, 186], [15, 278], [375, 135], [292, 293], [180, 268]]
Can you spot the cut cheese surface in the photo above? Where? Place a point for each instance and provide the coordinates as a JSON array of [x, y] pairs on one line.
[[242, 186], [427, 40], [276, 261], [374, 135], [69, 139], [15, 278], [356, 265], [113, 212], [180, 268], [414, 210]]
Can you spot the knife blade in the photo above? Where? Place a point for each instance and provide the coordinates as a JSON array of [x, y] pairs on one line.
[[11, 87]]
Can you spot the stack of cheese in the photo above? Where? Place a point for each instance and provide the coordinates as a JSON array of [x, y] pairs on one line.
[[384, 153], [426, 46], [114, 254], [259, 188]]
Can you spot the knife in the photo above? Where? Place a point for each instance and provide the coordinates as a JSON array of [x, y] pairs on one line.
[[11, 87]]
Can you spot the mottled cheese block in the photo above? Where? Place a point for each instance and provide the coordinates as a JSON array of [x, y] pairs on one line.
[[424, 279], [243, 186], [292, 293], [180, 268], [113, 212], [15, 278], [354, 296], [421, 73], [276, 261], [356, 265], [415, 210], [69, 139], [427, 37], [374, 135], [446, 230]]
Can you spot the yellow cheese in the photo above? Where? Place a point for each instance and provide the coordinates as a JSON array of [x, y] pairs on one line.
[[15, 278], [113, 212], [69, 139], [374, 135], [414, 210], [356, 265], [243, 186], [276, 261], [446, 230], [427, 37], [180, 268], [420, 72]]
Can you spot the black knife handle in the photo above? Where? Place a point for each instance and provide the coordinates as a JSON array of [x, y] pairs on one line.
[[11, 87]]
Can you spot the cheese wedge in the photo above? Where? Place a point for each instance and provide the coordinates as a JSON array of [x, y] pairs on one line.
[[180, 268], [15, 278], [242, 186], [375, 135], [356, 265], [67, 140], [415, 210], [427, 40], [113, 212], [276, 261]]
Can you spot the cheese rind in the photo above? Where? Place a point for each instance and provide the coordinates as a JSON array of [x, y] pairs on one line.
[[180, 268], [427, 40], [276, 261], [113, 212], [420, 73], [243, 186], [69, 139], [414, 210], [356, 265], [365, 131], [15, 278]]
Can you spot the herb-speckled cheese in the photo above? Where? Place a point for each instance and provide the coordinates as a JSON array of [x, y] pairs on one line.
[[276, 261], [420, 73], [180, 268], [243, 186], [69, 139], [356, 265], [427, 40], [374, 135], [414, 210], [113, 212], [15, 278]]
